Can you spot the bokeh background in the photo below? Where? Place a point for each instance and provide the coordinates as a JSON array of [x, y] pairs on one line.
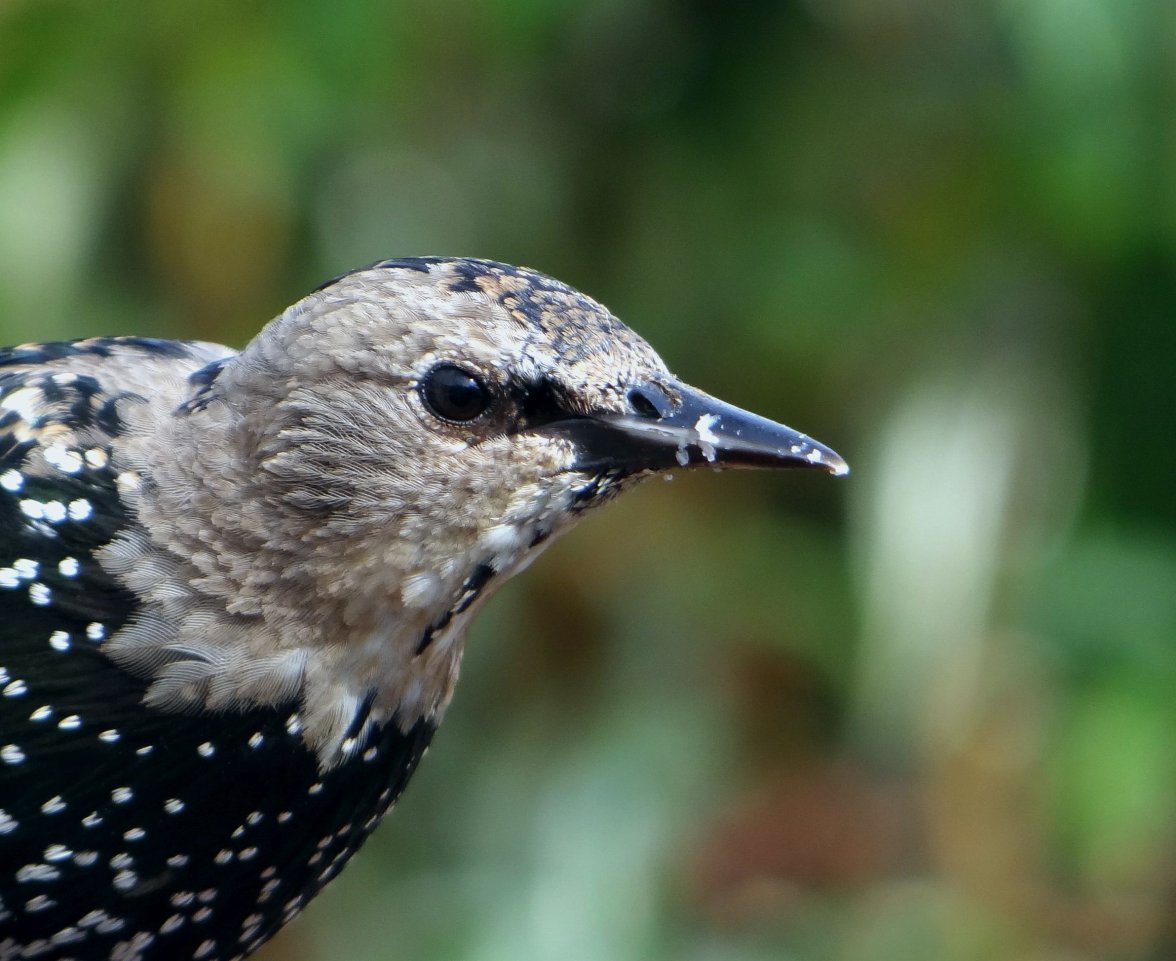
[[925, 712]]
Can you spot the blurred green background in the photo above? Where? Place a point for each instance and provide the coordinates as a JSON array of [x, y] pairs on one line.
[[926, 712]]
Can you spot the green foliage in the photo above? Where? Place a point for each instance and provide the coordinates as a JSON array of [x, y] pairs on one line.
[[927, 712]]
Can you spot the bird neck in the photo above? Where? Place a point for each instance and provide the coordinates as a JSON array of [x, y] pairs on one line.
[[225, 577]]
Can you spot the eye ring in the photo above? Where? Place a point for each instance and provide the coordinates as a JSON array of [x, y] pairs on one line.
[[454, 394]]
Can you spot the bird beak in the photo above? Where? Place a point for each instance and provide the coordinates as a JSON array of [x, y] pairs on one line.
[[698, 431]]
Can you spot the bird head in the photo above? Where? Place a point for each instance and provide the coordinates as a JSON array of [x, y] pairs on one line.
[[482, 406], [403, 439]]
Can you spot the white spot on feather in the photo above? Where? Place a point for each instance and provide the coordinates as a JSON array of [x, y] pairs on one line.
[[65, 460], [11, 754], [55, 512], [53, 805], [125, 880], [37, 872], [24, 401], [421, 589], [501, 539], [80, 509], [128, 482]]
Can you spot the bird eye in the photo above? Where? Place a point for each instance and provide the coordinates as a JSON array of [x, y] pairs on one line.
[[451, 393]]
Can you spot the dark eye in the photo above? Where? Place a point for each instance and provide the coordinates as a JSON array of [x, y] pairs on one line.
[[451, 393]]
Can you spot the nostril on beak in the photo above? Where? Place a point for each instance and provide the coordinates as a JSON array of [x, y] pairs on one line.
[[649, 401]]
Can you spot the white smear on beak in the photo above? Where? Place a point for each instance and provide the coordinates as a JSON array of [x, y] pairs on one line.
[[706, 437]]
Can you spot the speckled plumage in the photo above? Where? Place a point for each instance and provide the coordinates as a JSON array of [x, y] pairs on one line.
[[234, 587]]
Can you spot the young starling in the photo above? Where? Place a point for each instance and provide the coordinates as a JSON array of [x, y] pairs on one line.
[[234, 587]]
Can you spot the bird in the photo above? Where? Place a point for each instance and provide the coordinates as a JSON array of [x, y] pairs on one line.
[[235, 586]]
